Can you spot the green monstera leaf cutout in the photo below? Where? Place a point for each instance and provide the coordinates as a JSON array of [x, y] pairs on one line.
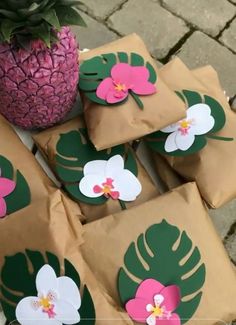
[[74, 150], [20, 197], [156, 141], [18, 276], [96, 69], [165, 254]]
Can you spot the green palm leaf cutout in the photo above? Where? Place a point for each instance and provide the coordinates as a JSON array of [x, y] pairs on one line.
[[21, 196], [74, 150], [153, 256], [96, 69], [156, 141], [18, 277]]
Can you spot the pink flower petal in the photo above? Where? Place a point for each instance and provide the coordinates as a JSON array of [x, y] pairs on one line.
[[172, 297], [140, 74], [148, 289], [140, 83], [136, 309], [6, 186], [112, 97], [173, 320], [104, 87], [144, 88], [122, 73], [3, 208]]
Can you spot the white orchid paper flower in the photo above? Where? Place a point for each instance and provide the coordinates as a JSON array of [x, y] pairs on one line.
[[109, 178], [57, 302], [182, 134]]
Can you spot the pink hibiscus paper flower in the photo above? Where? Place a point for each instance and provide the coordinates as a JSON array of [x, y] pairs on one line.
[[124, 79], [7, 186], [154, 304]]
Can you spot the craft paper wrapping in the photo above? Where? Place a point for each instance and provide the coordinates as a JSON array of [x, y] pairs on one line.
[[47, 143], [184, 209], [215, 182], [112, 125], [50, 226]]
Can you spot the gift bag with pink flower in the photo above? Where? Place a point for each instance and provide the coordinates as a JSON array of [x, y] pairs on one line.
[[161, 271], [101, 182], [193, 146], [123, 95]]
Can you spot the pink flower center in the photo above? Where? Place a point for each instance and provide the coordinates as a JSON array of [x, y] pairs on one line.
[[107, 189], [46, 304], [47, 307], [184, 126]]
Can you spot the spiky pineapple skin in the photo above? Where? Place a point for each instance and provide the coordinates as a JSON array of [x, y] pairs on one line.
[[38, 87]]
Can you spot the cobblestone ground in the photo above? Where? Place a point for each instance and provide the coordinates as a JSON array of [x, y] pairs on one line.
[[200, 32]]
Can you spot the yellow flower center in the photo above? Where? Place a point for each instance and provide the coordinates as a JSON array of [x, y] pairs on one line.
[[157, 311], [120, 87], [106, 189], [184, 124], [45, 303]]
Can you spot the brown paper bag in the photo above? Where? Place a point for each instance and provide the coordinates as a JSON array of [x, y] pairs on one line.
[[61, 144], [19, 166], [170, 239], [47, 232], [216, 184], [115, 124]]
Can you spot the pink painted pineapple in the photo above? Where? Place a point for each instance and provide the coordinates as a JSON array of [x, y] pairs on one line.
[[39, 68]]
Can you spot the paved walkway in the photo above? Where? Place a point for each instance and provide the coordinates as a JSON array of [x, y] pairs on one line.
[[200, 32]]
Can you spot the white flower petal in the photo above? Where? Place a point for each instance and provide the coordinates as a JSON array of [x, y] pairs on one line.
[[170, 144], [158, 300], [151, 320], [114, 165], [170, 128], [46, 280], [27, 315], [127, 184], [184, 142], [87, 184], [66, 313], [95, 167], [202, 119], [149, 308], [69, 291]]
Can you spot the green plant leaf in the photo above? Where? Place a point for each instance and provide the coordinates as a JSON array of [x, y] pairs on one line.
[[51, 17], [96, 69], [71, 3], [42, 31], [10, 14], [18, 277], [153, 256], [8, 26], [74, 150], [156, 141], [21, 196], [69, 16]]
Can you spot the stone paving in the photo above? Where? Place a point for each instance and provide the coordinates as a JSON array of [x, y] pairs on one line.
[[200, 32]]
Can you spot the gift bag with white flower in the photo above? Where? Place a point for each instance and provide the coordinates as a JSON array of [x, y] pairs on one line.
[[204, 118], [34, 291], [194, 145], [101, 182]]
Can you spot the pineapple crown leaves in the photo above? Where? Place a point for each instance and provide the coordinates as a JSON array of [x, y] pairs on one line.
[[28, 20]]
